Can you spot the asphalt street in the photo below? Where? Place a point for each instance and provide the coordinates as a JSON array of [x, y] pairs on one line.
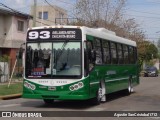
[[146, 97]]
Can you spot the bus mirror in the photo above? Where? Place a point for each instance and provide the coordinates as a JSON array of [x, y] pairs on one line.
[[93, 56], [20, 53]]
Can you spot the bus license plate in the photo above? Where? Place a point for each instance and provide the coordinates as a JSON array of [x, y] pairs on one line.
[[51, 88]]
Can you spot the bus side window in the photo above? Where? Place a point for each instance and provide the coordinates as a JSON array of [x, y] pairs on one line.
[[131, 55], [97, 48], [120, 53], [106, 52], [89, 49], [135, 54], [114, 53], [125, 52], [91, 62]]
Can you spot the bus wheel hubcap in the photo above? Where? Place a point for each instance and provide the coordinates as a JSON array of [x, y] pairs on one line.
[[99, 93]]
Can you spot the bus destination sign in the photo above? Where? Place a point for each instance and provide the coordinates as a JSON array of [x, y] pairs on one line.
[[54, 34], [64, 34]]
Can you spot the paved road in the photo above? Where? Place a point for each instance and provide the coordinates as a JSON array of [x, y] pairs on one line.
[[146, 97]]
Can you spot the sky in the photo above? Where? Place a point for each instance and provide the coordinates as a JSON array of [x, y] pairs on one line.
[[145, 12]]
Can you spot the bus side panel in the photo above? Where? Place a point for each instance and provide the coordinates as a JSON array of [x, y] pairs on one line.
[[116, 77]]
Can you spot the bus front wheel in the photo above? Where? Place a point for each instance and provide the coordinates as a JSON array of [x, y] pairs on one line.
[[48, 101], [97, 99]]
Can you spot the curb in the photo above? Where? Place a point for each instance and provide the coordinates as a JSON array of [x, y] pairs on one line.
[[12, 96]]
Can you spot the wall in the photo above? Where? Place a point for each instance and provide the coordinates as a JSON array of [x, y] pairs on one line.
[[2, 36], [14, 38], [52, 14], [18, 37]]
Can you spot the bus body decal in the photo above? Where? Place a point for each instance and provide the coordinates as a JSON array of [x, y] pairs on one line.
[[116, 79], [92, 83]]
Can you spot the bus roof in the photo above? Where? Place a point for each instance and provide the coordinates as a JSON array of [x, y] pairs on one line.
[[107, 35], [96, 32]]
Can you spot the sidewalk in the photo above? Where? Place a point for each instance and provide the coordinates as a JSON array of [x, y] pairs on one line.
[[12, 96]]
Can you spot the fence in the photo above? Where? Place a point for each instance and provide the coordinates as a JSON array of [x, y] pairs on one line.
[[4, 71], [6, 68]]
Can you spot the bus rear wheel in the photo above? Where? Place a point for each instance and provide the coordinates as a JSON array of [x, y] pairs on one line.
[[129, 90], [48, 101]]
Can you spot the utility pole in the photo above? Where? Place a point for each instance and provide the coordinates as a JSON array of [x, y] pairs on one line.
[[34, 13]]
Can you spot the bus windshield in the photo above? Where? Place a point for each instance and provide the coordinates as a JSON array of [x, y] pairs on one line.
[[53, 60]]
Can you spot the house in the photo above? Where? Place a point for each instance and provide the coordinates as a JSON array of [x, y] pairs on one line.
[[49, 15], [13, 31]]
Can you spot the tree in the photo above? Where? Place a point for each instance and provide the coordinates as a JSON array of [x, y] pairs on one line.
[[97, 13], [147, 50], [158, 43], [108, 14]]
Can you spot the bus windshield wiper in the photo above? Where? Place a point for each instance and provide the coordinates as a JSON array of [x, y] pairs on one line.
[[62, 50]]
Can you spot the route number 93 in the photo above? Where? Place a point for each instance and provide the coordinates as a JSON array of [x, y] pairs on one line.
[[41, 35]]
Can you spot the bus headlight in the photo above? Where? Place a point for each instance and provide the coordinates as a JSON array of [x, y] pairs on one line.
[[71, 88], [80, 84], [29, 85], [76, 86]]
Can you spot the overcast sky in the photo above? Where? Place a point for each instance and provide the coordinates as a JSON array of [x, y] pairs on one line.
[[145, 12]]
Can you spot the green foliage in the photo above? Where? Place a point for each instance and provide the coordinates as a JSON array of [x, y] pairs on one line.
[[4, 58], [158, 44], [150, 63], [151, 52], [13, 89], [147, 51]]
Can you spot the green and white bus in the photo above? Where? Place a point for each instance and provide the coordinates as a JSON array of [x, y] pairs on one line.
[[78, 63]]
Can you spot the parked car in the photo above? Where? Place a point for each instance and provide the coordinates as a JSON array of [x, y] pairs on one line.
[[151, 71]]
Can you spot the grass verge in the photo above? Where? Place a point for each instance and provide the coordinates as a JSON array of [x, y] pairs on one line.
[[13, 89]]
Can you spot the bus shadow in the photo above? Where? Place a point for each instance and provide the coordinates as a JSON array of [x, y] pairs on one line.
[[72, 104], [67, 104], [76, 105], [117, 95]]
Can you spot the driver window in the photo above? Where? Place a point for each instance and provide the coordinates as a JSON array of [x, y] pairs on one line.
[[90, 49]]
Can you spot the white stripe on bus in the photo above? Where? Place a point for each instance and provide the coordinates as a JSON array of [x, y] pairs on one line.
[[94, 83], [116, 79], [113, 80]]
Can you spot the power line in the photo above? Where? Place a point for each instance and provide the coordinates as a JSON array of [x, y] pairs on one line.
[[143, 16], [42, 23], [65, 2], [146, 3], [52, 5], [144, 12], [15, 11]]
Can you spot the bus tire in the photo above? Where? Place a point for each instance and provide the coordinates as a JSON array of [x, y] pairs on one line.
[[129, 90], [97, 99], [48, 101]]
